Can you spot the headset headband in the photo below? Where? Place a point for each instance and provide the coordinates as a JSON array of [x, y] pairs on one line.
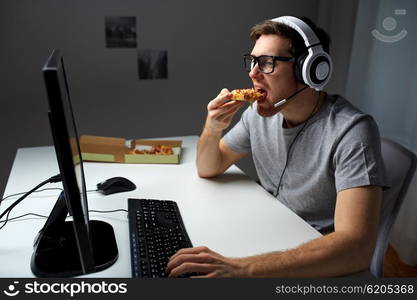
[[308, 35]]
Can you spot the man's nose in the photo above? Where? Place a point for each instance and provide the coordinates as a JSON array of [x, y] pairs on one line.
[[255, 73]]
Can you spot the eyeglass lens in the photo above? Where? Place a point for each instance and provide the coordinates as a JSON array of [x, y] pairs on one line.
[[265, 63]]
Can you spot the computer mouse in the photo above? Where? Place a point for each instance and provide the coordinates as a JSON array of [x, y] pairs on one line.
[[115, 185]]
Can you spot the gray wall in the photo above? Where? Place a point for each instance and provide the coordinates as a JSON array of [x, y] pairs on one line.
[[204, 40]]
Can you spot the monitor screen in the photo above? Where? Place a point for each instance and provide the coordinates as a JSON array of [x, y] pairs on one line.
[[56, 63], [80, 246]]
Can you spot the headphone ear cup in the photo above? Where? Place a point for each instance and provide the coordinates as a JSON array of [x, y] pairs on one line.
[[320, 69], [298, 67]]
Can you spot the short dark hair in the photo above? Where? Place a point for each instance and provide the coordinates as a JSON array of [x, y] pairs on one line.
[[297, 43]]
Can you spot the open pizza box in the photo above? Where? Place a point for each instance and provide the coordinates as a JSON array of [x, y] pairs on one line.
[[120, 150]]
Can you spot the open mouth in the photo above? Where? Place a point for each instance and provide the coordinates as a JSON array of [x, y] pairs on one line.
[[263, 92]]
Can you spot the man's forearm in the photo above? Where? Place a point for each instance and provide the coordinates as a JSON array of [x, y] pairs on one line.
[[331, 255], [208, 153]]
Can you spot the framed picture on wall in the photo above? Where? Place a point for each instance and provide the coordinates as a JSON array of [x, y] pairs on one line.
[[120, 32], [152, 64]]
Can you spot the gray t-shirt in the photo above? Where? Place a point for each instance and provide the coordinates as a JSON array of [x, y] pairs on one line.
[[338, 148]]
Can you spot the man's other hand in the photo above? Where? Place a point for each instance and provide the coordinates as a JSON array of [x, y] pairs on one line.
[[205, 263]]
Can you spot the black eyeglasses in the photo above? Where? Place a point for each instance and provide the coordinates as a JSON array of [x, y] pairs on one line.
[[266, 63]]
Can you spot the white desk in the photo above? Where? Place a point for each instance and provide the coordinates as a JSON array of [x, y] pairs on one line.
[[230, 214]]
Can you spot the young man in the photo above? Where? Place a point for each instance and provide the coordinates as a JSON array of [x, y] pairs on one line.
[[316, 153]]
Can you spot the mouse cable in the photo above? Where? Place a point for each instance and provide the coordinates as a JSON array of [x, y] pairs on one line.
[[38, 191], [42, 216], [21, 216], [108, 211]]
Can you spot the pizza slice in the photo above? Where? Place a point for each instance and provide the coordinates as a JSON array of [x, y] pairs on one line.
[[250, 95]]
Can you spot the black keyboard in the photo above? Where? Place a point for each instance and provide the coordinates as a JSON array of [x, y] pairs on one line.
[[156, 233]]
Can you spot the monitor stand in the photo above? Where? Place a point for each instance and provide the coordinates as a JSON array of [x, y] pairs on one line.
[[56, 251]]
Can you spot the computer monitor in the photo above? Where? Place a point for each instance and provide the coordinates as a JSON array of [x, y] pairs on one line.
[[69, 248]]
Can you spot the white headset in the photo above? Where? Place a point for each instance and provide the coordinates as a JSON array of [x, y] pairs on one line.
[[314, 68]]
